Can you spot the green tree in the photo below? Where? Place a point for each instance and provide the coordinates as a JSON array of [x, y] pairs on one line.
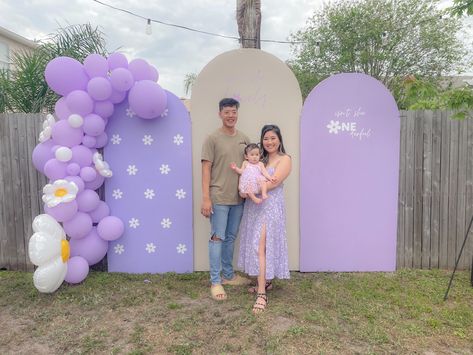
[[385, 39], [461, 7], [24, 89], [189, 81]]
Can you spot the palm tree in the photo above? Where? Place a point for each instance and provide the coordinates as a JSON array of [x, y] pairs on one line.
[[189, 80], [24, 89]]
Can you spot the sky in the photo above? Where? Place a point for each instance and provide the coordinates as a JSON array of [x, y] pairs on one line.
[[174, 52]]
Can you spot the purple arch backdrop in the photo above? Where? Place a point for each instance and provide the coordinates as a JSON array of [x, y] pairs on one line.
[[349, 176], [151, 189]]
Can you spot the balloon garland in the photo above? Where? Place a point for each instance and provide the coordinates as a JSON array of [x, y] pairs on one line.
[[67, 154]]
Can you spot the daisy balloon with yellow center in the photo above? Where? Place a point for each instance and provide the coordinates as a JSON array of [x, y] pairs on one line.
[[60, 191]]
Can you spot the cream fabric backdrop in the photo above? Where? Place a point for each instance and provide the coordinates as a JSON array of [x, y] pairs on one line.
[[268, 93]]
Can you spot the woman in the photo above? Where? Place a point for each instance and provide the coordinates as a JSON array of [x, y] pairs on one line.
[[263, 244]]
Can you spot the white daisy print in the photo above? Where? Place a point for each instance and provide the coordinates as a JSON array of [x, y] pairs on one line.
[[147, 139], [334, 127], [165, 169], [166, 223], [165, 113], [134, 223], [129, 112], [116, 139], [119, 248], [181, 248], [149, 194], [150, 248], [180, 194], [178, 139], [117, 194], [132, 170]]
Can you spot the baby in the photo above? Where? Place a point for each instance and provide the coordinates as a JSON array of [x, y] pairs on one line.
[[254, 176]]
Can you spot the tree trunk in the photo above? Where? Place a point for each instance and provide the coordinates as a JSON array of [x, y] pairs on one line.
[[249, 23]]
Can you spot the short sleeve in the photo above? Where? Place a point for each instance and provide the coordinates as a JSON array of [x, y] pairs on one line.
[[208, 150]]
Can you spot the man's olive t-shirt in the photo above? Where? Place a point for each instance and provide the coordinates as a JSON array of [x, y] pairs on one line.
[[221, 150]]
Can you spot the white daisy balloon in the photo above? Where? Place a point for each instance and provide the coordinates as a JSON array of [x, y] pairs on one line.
[[101, 165], [60, 191], [48, 124], [49, 250]]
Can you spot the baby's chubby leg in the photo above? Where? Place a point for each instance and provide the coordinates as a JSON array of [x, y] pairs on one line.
[[254, 198]]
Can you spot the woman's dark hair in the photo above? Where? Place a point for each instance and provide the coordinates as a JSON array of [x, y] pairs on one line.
[[250, 147], [228, 102], [277, 131]]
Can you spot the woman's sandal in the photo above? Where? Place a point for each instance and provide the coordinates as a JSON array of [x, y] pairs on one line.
[[259, 307], [268, 287]]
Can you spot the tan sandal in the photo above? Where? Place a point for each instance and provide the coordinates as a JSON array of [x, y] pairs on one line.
[[236, 281], [218, 292], [259, 307]]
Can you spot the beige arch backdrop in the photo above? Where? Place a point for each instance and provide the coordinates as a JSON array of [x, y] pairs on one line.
[[268, 93]]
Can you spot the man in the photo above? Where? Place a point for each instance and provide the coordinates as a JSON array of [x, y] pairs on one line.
[[220, 199]]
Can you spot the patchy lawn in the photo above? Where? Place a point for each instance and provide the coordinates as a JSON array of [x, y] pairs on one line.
[[401, 313]]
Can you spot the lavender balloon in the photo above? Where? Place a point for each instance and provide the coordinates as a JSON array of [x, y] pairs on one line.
[[81, 155], [96, 183], [92, 248], [110, 228], [94, 125], [61, 109], [104, 108], [117, 96], [77, 270], [78, 181], [64, 75], [73, 169], [153, 74], [79, 101], [65, 135], [117, 60], [100, 212], [102, 140], [121, 79], [99, 88], [78, 226], [89, 141], [41, 154], [62, 212], [87, 200], [95, 65], [88, 174], [139, 68], [147, 99], [55, 169]]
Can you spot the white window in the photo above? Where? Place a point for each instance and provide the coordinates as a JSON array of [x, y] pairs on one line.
[[4, 56]]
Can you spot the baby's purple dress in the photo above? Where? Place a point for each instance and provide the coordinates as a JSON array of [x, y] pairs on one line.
[[272, 213], [250, 179]]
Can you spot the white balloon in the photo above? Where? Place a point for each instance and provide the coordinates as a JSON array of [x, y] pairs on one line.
[[75, 120], [48, 277], [47, 224], [63, 154]]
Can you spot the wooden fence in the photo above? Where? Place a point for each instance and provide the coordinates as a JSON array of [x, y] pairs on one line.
[[435, 189]]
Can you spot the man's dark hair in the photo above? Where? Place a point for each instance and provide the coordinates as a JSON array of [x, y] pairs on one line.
[[228, 102]]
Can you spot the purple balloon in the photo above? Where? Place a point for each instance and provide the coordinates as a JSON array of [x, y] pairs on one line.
[[81, 155], [73, 169], [117, 96], [95, 65], [79, 101], [65, 135], [42, 153], [87, 200], [61, 109], [102, 140], [77, 270], [99, 88], [121, 79], [78, 181], [89, 141], [64, 75], [78, 226], [92, 248], [94, 125], [110, 228], [153, 74], [104, 108], [88, 174], [100, 212], [96, 183], [139, 68], [147, 99], [117, 60], [62, 212], [55, 169]]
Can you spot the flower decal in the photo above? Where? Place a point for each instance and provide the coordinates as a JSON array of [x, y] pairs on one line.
[[60, 191], [49, 250]]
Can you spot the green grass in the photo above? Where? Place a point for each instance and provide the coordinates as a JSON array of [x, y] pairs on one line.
[[401, 312]]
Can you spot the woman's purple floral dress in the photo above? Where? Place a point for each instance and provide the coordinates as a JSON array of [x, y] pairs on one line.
[[271, 212]]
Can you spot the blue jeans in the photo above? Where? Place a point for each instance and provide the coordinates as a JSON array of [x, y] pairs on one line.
[[224, 223]]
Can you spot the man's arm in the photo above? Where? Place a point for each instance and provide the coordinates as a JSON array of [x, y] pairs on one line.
[[206, 206]]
